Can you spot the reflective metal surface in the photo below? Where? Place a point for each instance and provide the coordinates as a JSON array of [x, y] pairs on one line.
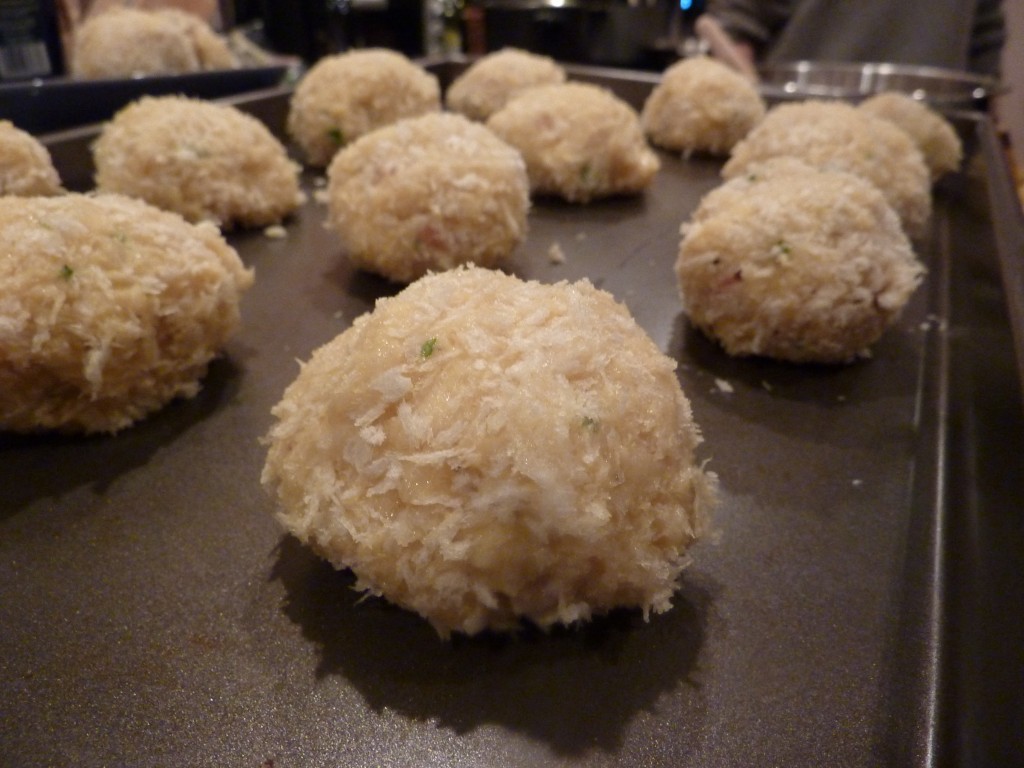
[[943, 88]]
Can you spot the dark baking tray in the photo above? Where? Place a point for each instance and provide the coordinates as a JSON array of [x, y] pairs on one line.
[[859, 604], [55, 104]]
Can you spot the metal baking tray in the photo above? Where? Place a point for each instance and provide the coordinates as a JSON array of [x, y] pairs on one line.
[[858, 605], [53, 104]]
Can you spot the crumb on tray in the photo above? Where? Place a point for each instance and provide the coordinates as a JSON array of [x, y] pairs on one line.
[[555, 253]]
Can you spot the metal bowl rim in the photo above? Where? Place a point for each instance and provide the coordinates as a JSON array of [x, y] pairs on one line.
[[988, 86]]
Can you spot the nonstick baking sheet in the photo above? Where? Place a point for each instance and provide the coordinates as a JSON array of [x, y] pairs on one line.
[[857, 604], [44, 105]]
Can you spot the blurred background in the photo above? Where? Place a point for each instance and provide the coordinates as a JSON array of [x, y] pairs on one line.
[[641, 34], [35, 35]]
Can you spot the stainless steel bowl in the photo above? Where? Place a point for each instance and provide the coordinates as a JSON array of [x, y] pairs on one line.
[[941, 88]]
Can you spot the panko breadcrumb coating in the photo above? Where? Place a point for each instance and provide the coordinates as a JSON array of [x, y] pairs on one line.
[[206, 161], [428, 193], [126, 42], [347, 95], [491, 81], [796, 264], [109, 308], [26, 168], [480, 450], [836, 136], [213, 50], [935, 137], [580, 141], [701, 105]]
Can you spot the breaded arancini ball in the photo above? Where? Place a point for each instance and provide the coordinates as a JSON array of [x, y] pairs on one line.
[[794, 263], [933, 134], [125, 42], [580, 141], [206, 161], [428, 193], [491, 81], [26, 167], [480, 450], [109, 308], [211, 48], [701, 105], [836, 136], [347, 95]]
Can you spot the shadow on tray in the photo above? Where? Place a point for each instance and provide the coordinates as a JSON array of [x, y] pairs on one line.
[[50, 465], [572, 688], [889, 372]]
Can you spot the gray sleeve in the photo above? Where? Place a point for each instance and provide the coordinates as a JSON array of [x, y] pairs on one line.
[[754, 21], [988, 36]]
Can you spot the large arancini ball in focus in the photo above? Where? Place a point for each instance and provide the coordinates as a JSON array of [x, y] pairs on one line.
[[26, 168], [428, 193], [490, 82], [127, 42], [836, 136], [480, 450], [347, 95], [206, 161], [109, 308], [701, 105], [580, 141], [932, 133], [795, 264]]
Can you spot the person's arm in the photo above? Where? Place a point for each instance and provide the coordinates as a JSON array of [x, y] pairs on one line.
[[753, 24], [746, 51], [736, 54]]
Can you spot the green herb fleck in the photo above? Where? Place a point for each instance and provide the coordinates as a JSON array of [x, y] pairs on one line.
[[589, 422], [783, 246], [428, 347], [586, 173], [66, 272], [336, 136], [196, 151], [752, 177]]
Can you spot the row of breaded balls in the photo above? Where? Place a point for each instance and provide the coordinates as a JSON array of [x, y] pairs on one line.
[[124, 42], [412, 189], [826, 229], [478, 449]]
